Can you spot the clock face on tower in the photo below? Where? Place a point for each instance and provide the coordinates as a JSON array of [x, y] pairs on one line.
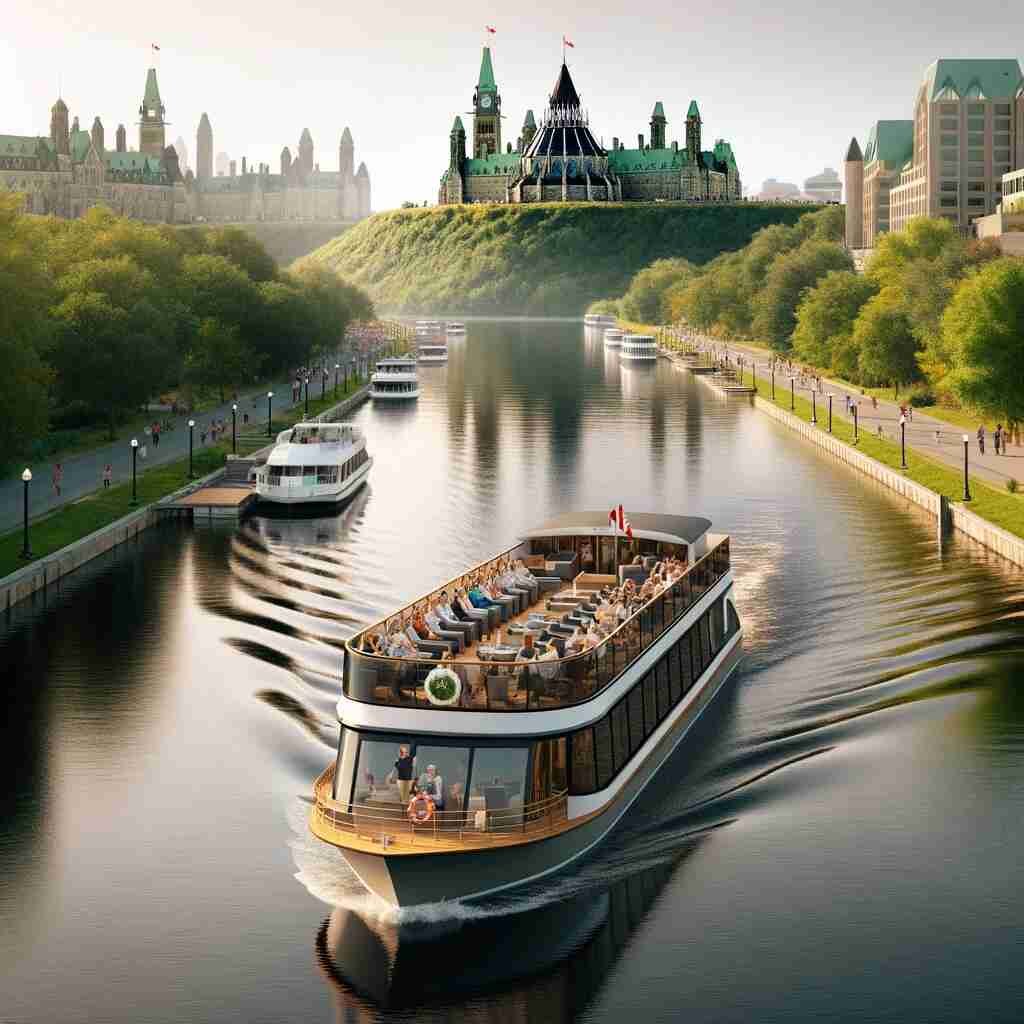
[[485, 102]]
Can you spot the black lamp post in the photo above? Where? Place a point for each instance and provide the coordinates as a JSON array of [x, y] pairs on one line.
[[307, 398], [270, 407], [855, 435], [830, 412], [354, 371], [135, 453], [323, 382], [814, 409], [967, 490], [792, 394], [26, 477], [234, 428], [773, 380], [191, 440], [337, 367], [903, 442]]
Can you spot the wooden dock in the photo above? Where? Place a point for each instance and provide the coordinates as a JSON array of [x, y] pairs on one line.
[[213, 502]]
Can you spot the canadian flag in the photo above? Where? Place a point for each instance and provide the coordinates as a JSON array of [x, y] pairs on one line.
[[619, 522], [491, 29], [155, 47], [569, 43]]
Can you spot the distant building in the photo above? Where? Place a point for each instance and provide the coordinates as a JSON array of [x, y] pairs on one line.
[[561, 160], [181, 149], [772, 188], [949, 160], [824, 187], [223, 160]]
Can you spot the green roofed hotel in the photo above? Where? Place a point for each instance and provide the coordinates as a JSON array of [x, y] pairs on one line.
[[559, 159]]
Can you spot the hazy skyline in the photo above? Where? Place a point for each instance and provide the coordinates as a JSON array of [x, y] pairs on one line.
[[787, 86]]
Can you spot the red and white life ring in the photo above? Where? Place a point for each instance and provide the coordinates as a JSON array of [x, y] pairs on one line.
[[421, 809]]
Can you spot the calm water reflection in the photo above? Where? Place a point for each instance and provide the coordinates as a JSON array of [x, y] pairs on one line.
[[840, 839]]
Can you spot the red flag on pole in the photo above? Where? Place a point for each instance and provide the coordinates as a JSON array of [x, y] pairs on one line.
[[568, 42], [491, 29], [155, 47]]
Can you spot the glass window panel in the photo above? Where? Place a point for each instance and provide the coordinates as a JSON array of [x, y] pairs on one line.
[[949, 140], [949, 186], [946, 201], [661, 677], [976, 155], [380, 776], [499, 775], [705, 643], [976, 186], [620, 734], [650, 704], [695, 666], [636, 719], [583, 776], [976, 201], [603, 752], [948, 108], [717, 626], [1002, 108], [685, 665], [975, 108], [447, 784], [976, 139], [675, 677], [344, 773], [976, 124], [949, 124]]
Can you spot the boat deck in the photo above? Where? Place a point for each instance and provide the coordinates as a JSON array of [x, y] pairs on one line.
[[217, 502]]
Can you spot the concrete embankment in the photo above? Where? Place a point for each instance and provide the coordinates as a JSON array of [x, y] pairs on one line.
[[53, 568]]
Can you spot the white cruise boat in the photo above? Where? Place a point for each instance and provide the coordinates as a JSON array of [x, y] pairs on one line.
[[461, 778], [314, 463], [395, 379], [432, 350], [456, 328], [598, 321], [613, 338], [638, 348]]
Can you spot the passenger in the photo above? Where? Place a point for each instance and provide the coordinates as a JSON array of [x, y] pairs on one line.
[[431, 784], [527, 652], [433, 622], [402, 773]]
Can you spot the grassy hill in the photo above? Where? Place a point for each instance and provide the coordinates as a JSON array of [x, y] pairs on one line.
[[538, 259]]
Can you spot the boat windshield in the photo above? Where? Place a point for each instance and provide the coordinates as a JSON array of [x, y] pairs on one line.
[[321, 434]]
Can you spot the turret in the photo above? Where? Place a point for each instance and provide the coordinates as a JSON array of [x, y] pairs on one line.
[[204, 149], [151, 118], [457, 145], [97, 136], [853, 174], [59, 127], [363, 191], [74, 126], [486, 110], [286, 162], [693, 133], [658, 123], [346, 155], [306, 151], [121, 139], [170, 159], [529, 128]]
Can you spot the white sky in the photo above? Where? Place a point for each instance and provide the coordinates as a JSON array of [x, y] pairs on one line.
[[787, 84]]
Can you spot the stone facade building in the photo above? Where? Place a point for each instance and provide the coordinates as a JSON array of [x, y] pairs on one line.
[[966, 133], [71, 170], [560, 160]]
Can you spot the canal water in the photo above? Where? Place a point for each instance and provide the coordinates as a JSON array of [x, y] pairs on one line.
[[838, 838]]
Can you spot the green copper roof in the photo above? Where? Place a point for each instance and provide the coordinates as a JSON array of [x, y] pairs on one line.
[[133, 162], [636, 161], [659, 110], [79, 145], [496, 163], [693, 111], [724, 154], [891, 142], [528, 121], [975, 79], [22, 145], [457, 126], [152, 97], [486, 82]]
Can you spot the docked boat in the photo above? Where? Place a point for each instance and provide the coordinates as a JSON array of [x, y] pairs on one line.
[[456, 328], [612, 338], [598, 320], [638, 348], [433, 350], [429, 328], [469, 764], [395, 379], [314, 463]]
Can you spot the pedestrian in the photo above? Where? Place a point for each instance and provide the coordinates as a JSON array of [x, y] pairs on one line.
[[938, 436], [156, 434], [107, 474], [142, 450], [245, 419], [981, 439], [202, 437], [879, 431], [910, 413], [874, 401], [997, 436], [58, 478]]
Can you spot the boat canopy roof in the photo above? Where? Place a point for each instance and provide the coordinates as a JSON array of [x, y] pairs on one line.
[[646, 525], [307, 443]]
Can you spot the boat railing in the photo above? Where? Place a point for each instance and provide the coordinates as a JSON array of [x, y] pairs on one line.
[[534, 685], [473, 825]]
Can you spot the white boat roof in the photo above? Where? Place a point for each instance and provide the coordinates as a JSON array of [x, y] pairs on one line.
[[333, 444], [646, 525]]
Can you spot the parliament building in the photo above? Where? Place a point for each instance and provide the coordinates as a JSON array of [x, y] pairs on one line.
[[560, 160], [71, 170]]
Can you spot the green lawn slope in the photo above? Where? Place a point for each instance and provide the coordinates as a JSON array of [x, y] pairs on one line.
[[550, 259]]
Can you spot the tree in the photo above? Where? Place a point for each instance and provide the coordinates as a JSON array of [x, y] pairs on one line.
[[790, 274], [218, 358], [644, 299], [984, 327], [212, 286], [244, 251], [826, 315], [928, 238], [885, 341]]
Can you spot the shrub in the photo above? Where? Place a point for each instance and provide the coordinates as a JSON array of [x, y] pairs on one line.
[[1012, 485], [921, 397]]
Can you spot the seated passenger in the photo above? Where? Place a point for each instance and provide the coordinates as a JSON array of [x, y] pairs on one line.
[[399, 645], [527, 652], [431, 784]]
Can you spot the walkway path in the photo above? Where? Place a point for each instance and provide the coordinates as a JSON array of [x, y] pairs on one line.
[[935, 438], [83, 473]]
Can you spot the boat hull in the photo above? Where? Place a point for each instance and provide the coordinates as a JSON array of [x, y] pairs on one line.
[[394, 396], [280, 496], [412, 879]]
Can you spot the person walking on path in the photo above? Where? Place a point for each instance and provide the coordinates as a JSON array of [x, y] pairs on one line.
[[997, 436], [981, 439], [58, 478], [107, 474]]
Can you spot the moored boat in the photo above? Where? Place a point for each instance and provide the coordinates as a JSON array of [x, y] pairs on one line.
[[456, 327], [468, 764], [395, 379], [314, 463], [612, 338], [598, 320], [433, 351], [638, 348]]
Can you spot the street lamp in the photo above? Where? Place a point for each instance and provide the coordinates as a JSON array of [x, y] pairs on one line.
[[814, 409], [773, 380], [270, 406], [234, 428], [135, 453], [967, 490], [792, 394], [307, 397], [191, 438], [855, 435], [323, 381], [903, 442], [830, 412], [26, 476], [337, 367]]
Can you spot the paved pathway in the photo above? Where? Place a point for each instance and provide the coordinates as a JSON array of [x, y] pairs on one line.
[[938, 440], [83, 473]]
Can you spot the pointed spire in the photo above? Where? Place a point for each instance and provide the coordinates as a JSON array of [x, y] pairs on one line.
[[204, 125], [853, 154], [528, 121], [305, 136], [362, 172], [659, 110], [346, 138], [152, 96], [693, 111], [486, 80], [457, 126], [564, 94]]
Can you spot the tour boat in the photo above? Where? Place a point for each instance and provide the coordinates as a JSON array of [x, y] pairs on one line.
[[429, 327], [314, 463], [598, 320], [434, 350], [395, 379], [638, 348], [460, 778], [456, 327], [613, 338]]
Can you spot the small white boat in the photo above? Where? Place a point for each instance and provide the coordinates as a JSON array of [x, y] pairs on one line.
[[456, 327], [638, 348], [395, 379], [433, 351], [314, 463], [613, 338], [428, 328], [598, 320]]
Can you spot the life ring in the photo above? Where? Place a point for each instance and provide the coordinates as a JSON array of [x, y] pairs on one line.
[[421, 809]]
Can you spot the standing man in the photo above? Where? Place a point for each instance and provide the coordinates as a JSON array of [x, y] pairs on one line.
[[58, 478], [981, 438]]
